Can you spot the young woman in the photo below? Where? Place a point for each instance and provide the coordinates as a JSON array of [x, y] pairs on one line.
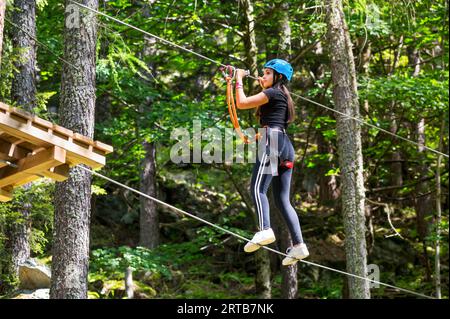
[[275, 110]]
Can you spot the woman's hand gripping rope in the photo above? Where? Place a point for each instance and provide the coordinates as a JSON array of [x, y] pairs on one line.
[[230, 73]]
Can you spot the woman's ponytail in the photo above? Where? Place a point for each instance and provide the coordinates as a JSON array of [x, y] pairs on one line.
[[282, 85]]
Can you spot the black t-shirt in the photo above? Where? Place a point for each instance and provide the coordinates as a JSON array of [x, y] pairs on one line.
[[274, 113]]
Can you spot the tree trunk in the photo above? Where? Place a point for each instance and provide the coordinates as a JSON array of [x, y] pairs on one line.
[[289, 283], [17, 246], [23, 91], [129, 285], [284, 47], [149, 221], [2, 26], [365, 56], [73, 197], [328, 189], [423, 203], [438, 218], [251, 50], [414, 60], [263, 274], [345, 96], [396, 165], [262, 259]]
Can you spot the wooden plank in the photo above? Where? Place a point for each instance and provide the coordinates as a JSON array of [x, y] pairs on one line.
[[28, 119], [103, 147], [34, 164], [62, 130], [33, 118], [46, 139], [59, 173], [84, 142], [26, 180], [21, 113], [19, 141], [42, 122], [5, 162], [14, 140], [83, 138], [17, 133], [12, 150], [29, 146], [5, 196], [4, 107]]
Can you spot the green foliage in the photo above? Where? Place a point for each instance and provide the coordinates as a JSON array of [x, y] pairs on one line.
[[112, 262], [333, 172], [433, 237], [366, 18], [424, 95], [10, 57], [40, 220], [329, 289], [164, 263], [97, 190], [41, 4], [41, 215]]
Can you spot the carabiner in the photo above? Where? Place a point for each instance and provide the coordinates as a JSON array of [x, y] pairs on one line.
[[228, 71]]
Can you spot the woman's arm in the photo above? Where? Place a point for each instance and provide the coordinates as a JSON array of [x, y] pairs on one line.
[[243, 102]]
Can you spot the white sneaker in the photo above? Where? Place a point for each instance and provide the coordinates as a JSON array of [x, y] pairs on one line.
[[261, 238], [295, 254]]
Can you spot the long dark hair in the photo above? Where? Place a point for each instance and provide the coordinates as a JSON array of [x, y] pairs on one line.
[[281, 82]]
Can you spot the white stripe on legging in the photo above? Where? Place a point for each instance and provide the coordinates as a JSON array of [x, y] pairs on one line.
[[256, 189]]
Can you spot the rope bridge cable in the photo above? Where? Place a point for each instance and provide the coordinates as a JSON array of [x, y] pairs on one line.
[[255, 78], [148, 33], [248, 240]]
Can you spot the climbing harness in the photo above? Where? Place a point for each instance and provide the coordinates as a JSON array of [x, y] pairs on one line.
[[283, 163], [229, 72]]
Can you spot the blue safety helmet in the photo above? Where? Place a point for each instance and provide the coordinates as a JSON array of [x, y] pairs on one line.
[[281, 66]]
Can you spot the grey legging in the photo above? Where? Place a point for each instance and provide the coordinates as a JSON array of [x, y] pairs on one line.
[[263, 176]]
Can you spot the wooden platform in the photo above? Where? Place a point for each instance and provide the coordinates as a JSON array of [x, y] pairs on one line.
[[31, 148]]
